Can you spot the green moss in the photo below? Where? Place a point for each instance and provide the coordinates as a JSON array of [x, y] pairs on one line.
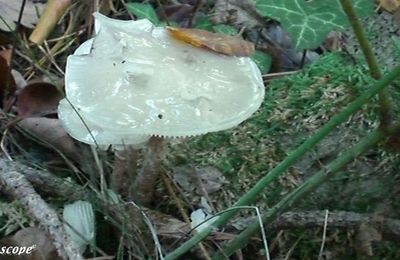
[[294, 107]]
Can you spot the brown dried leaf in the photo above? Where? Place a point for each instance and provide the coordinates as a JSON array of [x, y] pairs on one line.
[[367, 234], [166, 225], [9, 12], [390, 5], [38, 99], [50, 130], [210, 178], [217, 42], [7, 83], [27, 237], [6, 54]]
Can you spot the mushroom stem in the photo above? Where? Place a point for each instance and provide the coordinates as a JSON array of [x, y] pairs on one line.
[[143, 188], [124, 170]]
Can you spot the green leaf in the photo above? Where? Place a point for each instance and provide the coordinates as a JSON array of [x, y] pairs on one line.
[[203, 23], [143, 11], [225, 29], [308, 23], [263, 61]]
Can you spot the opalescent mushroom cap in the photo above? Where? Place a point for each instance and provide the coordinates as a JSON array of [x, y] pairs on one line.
[[133, 81]]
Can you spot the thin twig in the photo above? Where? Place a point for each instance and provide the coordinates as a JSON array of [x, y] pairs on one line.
[[291, 249], [323, 235]]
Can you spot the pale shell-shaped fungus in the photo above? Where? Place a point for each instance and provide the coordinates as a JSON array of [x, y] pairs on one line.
[[133, 80]]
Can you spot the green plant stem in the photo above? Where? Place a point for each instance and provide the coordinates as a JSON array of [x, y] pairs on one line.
[[251, 195], [310, 185], [384, 101]]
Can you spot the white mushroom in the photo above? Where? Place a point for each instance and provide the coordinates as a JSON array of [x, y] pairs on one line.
[[133, 80]]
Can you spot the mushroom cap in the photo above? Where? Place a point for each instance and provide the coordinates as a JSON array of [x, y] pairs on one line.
[[133, 80]]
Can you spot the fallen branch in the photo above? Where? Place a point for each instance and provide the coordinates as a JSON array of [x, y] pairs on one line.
[[46, 183], [390, 228], [15, 184], [53, 12]]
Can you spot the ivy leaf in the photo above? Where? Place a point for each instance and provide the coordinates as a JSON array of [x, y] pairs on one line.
[[143, 11], [263, 61], [225, 29], [203, 23], [308, 23]]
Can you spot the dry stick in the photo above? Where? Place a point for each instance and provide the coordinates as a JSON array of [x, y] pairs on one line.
[[384, 101], [321, 251], [390, 228], [60, 42], [16, 185], [291, 249], [45, 182], [54, 10], [145, 182]]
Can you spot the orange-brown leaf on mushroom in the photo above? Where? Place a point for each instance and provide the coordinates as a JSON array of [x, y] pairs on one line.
[[38, 99], [217, 42]]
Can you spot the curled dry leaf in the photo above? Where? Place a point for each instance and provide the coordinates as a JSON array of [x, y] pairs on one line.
[[38, 99], [221, 43], [50, 130], [207, 179]]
